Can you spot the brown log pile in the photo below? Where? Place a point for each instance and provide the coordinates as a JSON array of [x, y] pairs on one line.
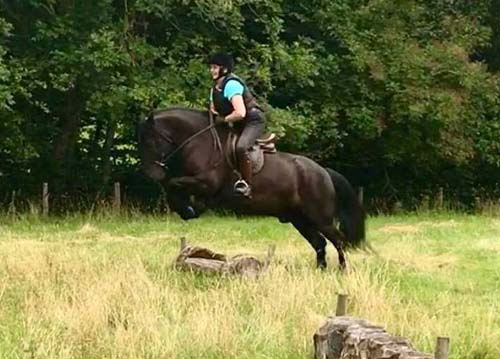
[[204, 260], [353, 338]]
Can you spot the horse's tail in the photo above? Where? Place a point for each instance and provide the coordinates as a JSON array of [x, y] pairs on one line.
[[351, 213]]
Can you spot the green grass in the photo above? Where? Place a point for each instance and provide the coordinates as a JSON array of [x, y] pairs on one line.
[[104, 286]]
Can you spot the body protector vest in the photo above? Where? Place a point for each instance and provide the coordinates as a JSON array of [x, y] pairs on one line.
[[222, 105]]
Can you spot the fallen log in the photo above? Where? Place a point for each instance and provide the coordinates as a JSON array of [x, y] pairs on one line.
[[353, 338], [204, 260]]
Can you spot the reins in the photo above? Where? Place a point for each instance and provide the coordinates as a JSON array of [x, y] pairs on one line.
[[215, 136]]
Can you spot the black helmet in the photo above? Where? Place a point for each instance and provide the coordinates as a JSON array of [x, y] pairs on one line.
[[222, 59]]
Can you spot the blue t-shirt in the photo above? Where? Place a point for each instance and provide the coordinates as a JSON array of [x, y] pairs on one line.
[[232, 88]]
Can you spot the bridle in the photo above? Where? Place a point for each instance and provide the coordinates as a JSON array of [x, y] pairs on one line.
[[167, 138]]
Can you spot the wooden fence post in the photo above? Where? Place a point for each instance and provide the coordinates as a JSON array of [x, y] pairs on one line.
[[183, 243], [117, 201], [361, 195], [341, 305], [45, 199], [477, 204], [12, 204], [442, 348], [440, 198]]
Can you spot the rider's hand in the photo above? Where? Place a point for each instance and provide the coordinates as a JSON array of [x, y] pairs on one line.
[[212, 109], [220, 119]]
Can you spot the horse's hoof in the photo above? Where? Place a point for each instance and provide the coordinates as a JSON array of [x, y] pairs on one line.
[[188, 213], [321, 266], [343, 269]]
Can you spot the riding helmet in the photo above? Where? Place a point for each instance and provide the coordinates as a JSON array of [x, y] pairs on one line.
[[222, 59]]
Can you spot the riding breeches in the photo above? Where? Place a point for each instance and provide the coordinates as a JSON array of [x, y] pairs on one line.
[[254, 128]]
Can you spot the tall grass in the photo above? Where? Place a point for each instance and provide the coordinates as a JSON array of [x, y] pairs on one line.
[[104, 286]]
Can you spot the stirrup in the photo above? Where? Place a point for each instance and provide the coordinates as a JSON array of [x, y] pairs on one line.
[[241, 187]]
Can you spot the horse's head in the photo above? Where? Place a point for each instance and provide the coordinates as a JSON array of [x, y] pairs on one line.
[[156, 139], [153, 147]]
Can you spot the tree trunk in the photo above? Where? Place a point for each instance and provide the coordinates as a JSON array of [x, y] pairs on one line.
[[106, 153], [64, 145]]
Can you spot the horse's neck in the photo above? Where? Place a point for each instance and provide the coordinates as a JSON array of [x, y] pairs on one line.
[[206, 151], [185, 123]]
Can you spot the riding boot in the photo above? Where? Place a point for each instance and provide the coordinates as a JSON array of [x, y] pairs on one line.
[[243, 187]]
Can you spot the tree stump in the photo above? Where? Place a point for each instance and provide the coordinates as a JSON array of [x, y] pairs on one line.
[[354, 338], [204, 260]]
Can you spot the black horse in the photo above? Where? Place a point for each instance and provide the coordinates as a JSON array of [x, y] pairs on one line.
[[182, 149]]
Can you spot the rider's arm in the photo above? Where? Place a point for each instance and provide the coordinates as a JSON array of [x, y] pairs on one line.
[[234, 92], [239, 111]]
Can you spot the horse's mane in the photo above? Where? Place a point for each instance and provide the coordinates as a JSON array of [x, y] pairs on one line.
[[195, 117]]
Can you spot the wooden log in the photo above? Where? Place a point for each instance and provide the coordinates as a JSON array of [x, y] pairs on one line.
[[244, 265], [204, 260], [354, 338], [203, 265]]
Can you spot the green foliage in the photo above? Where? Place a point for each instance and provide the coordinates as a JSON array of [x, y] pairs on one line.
[[388, 85]]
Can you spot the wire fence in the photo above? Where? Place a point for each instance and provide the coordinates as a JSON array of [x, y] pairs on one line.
[[149, 196]]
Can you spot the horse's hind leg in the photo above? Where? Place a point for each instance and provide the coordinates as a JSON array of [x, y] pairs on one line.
[[335, 236], [309, 232]]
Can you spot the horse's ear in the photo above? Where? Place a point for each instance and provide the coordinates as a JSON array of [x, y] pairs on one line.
[[144, 121], [150, 117]]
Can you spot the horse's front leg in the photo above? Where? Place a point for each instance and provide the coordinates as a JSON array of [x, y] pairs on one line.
[[180, 202], [191, 185], [179, 197]]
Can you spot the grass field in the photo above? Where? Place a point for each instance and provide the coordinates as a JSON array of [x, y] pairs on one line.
[[104, 287]]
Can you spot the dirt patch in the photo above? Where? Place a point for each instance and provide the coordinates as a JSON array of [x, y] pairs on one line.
[[489, 244], [87, 228], [443, 224], [399, 228], [407, 256], [406, 228], [496, 223]]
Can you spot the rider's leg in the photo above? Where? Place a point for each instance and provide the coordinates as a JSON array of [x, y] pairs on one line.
[[253, 129], [244, 185]]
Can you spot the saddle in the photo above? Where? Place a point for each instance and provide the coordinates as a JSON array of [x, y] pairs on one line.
[[256, 153]]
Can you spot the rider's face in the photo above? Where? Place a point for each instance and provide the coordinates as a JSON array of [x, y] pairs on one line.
[[215, 71]]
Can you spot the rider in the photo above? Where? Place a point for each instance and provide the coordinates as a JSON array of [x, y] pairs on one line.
[[231, 99]]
